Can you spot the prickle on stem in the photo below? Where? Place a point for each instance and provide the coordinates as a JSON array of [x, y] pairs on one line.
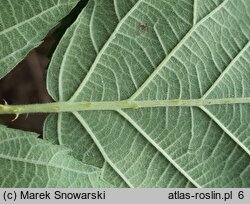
[[16, 117]]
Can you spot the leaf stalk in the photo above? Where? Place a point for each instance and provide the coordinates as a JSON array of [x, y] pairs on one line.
[[57, 107]]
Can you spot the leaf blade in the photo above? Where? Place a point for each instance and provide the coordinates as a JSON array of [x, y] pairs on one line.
[[190, 58], [27, 161], [23, 26]]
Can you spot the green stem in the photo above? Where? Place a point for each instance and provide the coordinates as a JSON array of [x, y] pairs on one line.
[[57, 107]]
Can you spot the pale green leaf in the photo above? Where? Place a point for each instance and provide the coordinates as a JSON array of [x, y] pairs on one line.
[[24, 24], [27, 161], [157, 50]]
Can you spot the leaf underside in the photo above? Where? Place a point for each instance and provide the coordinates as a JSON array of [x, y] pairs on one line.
[[24, 24], [157, 50], [27, 161], [143, 50]]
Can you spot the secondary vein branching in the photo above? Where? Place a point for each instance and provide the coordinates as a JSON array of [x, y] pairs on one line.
[[58, 107]]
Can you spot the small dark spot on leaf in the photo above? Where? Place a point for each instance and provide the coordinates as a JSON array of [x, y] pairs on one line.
[[143, 27]]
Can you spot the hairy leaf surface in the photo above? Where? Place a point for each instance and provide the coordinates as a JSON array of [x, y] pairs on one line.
[[27, 161], [24, 24], [145, 50]]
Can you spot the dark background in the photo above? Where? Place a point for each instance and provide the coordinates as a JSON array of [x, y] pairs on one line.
[[26, 83]]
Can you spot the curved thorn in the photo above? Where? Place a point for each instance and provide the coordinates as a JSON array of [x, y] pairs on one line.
[[16, 117], [5, 102]]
